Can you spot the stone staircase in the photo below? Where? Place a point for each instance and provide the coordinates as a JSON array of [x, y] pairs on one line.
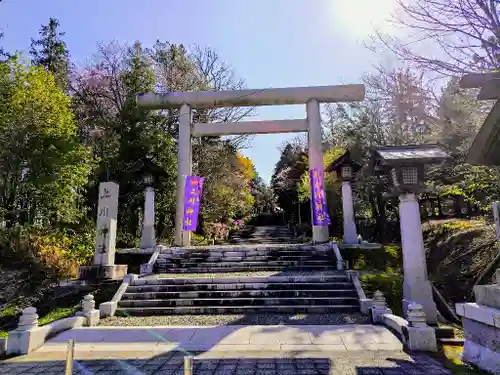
[[280, 279], [248, 257], [314, 293], [263, 235]]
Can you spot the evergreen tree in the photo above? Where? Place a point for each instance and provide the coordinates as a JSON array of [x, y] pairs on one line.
[[3, 55], [50, 51]]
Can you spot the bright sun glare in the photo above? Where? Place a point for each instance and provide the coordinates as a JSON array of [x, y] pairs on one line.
[[360, 17]]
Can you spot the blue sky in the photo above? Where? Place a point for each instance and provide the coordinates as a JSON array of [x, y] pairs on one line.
[[269, 43]]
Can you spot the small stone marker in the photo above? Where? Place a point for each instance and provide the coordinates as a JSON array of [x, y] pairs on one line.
[[107, 214], [379, 300], [28, 319], [416, 315], [418, 335]]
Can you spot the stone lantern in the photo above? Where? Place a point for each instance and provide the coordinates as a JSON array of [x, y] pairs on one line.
[[404, 166], [346, 170]]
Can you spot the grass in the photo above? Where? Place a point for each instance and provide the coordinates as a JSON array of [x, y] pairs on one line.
[[10, 310], [389, 283], [56, 314]]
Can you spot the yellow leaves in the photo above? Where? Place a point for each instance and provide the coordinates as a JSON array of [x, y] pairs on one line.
[[245, 166], [52, 252], [331, 155], [328, 157]]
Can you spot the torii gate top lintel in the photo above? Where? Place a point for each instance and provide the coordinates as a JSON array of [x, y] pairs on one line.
[[252, 97]]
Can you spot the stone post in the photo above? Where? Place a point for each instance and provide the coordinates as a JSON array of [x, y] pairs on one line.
[[315, 149], [350, 232], [107, 215], [378, 307], [416, 285], [184, 163], [28, 319], [418, 335], [148, 238], [27, 336], [89, 311]]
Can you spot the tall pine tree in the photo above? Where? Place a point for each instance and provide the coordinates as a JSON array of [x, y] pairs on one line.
[[50, 51]]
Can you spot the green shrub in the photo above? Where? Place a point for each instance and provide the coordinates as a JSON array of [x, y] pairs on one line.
[[384, 259], [391, 284]]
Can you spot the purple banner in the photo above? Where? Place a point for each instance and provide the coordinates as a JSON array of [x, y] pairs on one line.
[[192, 195], [318, 199]]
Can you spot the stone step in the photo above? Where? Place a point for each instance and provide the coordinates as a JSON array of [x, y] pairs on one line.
[[234, 263], [330, 277], [198, 310], [153, 288], [242, 294], [201, 269], [248, 253], [209, 258], [241, 301], [451, 341], [249, 249], [444, 332]]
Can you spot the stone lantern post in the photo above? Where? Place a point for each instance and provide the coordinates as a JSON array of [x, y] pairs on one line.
[[148, 239], [346, 170], [404, 166]]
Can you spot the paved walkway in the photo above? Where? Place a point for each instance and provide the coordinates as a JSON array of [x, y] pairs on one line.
[[227, 350], [279, 338]]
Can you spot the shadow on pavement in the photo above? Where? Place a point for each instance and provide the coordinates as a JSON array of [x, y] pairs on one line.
[[173, 364]]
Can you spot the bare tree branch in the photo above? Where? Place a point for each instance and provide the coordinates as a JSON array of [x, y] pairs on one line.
[[446, 37]]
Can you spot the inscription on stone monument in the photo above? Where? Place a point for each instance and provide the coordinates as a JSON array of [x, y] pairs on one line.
[[107, 213]]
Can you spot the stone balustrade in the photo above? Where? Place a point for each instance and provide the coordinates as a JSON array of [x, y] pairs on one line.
[[29, 336], [414, 332]]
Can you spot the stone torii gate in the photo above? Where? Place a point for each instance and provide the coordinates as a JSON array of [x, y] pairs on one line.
[[186, 101]]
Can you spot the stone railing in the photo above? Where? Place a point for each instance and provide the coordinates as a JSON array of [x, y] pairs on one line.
[[148, 268], [341, 264], [29, 336], [364, 303], [109, 308], [414, 332]]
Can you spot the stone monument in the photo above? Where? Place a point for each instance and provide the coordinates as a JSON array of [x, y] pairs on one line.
[[104, 266]]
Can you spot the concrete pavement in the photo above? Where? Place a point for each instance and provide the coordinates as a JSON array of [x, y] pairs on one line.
[[321, 338]]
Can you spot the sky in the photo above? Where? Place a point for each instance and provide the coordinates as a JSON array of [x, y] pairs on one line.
[[268, 43]]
